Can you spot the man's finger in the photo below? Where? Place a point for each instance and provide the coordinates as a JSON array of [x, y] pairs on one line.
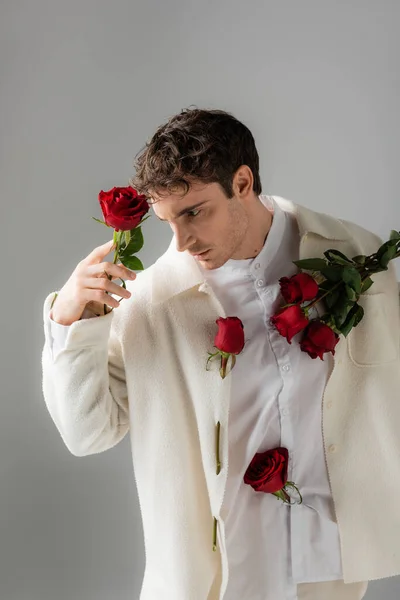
[[100, 252]]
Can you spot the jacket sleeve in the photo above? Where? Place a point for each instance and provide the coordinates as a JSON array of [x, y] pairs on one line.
[[84, 384], [59, 333]]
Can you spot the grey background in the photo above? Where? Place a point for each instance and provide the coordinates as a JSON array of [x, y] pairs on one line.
[[83, 85]]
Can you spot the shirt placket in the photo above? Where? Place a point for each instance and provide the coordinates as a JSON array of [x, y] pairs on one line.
[[281, 349]]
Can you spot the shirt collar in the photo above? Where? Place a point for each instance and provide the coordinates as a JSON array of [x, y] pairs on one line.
[[175, 272]]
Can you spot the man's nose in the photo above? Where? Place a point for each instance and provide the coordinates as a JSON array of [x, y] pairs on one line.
[[183, 239]]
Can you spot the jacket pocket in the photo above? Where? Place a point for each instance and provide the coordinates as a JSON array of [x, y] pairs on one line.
[[374, 341]]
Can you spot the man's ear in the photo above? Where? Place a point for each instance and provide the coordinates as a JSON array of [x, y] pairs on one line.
[[243, 182]]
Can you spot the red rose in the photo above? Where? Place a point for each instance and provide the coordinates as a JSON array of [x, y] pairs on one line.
[[318, 339], [298, 288], [229, 341], [123, 208], [290, 321], [267, 471], [230, 335]]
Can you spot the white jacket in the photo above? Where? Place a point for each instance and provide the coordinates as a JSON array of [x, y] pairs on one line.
[[141, 369]]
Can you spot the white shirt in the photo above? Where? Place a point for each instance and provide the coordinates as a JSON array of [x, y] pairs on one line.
[[276, 401]]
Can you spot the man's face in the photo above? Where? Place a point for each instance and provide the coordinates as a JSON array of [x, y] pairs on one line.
[[204, 220]]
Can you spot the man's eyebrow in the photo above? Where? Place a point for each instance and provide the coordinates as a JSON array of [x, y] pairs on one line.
[[186, 210]]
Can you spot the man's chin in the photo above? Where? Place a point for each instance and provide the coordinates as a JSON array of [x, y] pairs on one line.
[[206, 263], [210, 264], [210, 261]]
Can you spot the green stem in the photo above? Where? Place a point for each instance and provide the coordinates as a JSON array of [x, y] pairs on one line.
[[291, 484], [371, 266], [215, 535], [217, 448], [210, 356], [318, 298], [284, 496], [224, 363], [117, 239], [363, 275], [54, 299]]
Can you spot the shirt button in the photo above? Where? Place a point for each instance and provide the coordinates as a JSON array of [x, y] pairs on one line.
[[329, 404], [257, 265], [284, 411], [285, 367], [260, 282], [332, 448]]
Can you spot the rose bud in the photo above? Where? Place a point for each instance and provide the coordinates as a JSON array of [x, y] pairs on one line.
[[318, 339], [289, 321], [298, 288], [230, 335], [123, 208], [229, 341]]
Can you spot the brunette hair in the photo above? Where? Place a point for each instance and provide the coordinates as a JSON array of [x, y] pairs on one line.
[[195, 145]]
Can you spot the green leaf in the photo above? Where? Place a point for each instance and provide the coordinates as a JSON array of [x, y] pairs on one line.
[[353, 278], [333, 273], [311, 264], [360, 259], [327, 285], [359, 314], [347, 325], [135, 243], [353, 318], [102, 222], [350, 292], [387, 256], [127, 237], [341, 310], [387, 246], [132, 262], [332, 298], [395, 235], [366, 284], [337, 257], [142, 221]]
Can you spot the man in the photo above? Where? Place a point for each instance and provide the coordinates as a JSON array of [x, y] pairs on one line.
[[141, 369]]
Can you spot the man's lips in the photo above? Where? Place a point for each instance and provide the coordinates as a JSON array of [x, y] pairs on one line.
[[196, 254]]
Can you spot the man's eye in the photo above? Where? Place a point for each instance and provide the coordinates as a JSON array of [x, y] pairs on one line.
[[197, 211]]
